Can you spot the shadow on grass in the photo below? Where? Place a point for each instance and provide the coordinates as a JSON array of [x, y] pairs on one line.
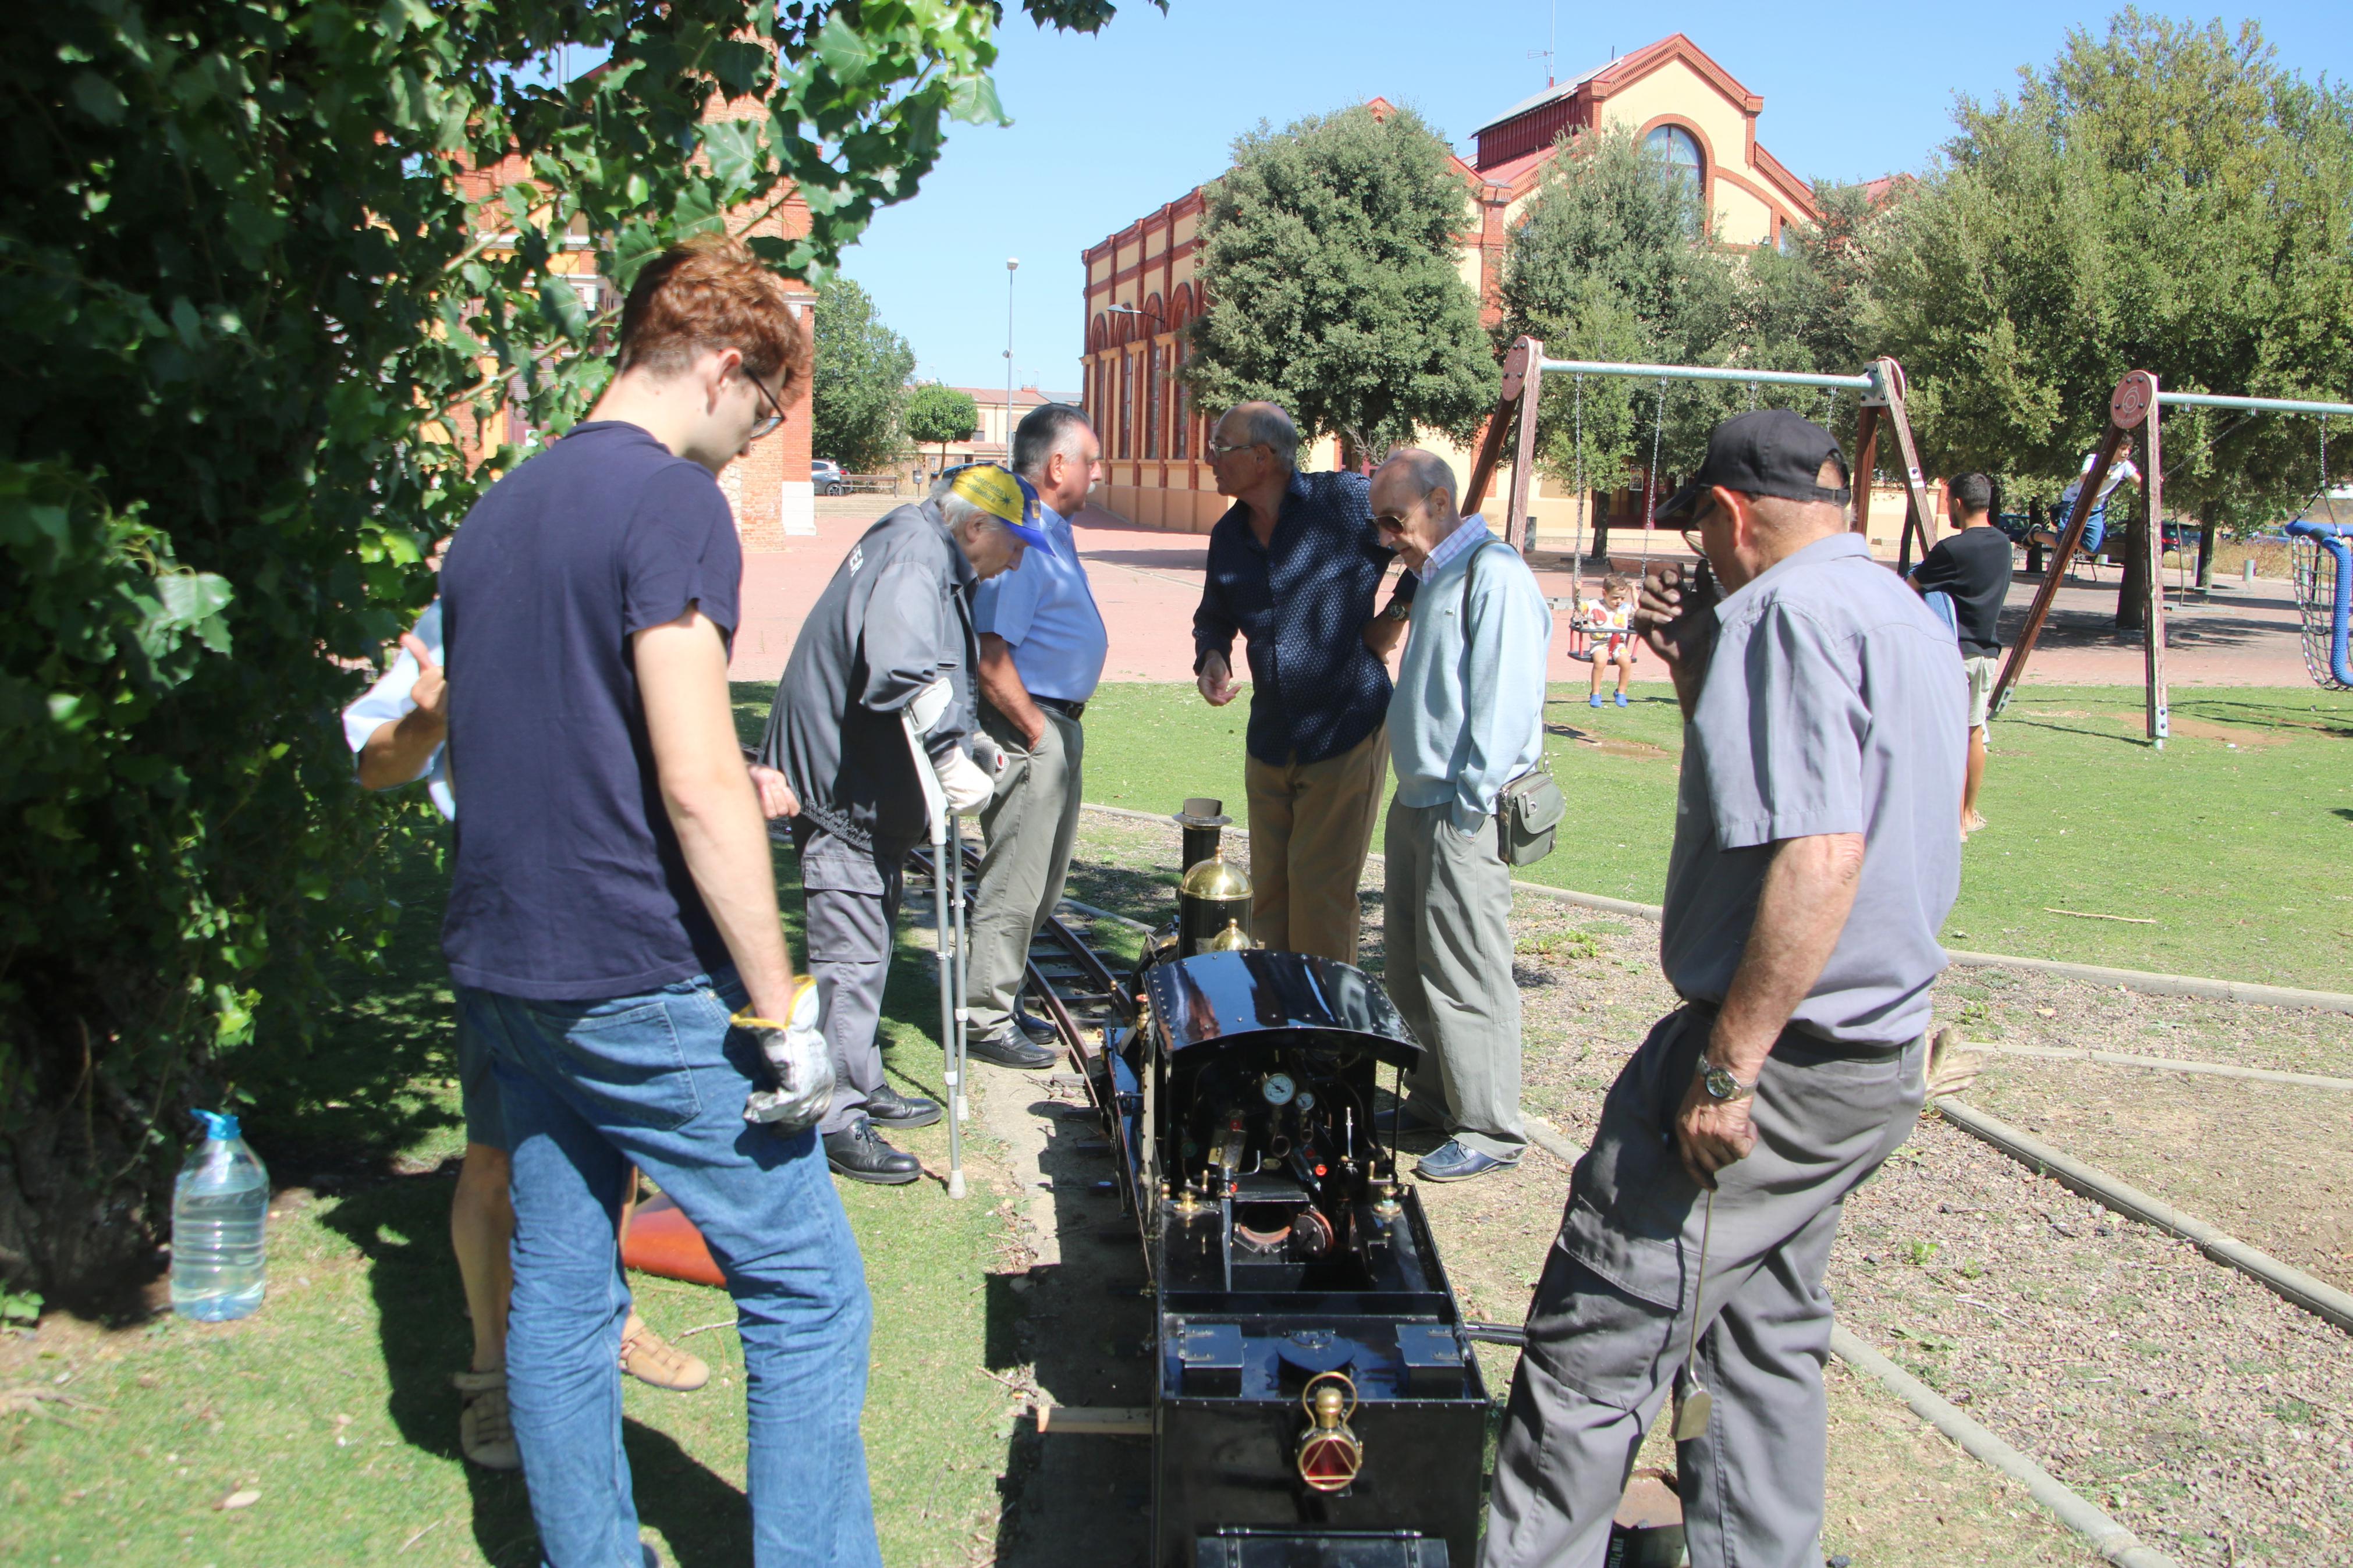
[[401, 1228], [378, 1078]]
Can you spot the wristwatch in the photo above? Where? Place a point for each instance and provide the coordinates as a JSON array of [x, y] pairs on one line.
[[1721, 1085]]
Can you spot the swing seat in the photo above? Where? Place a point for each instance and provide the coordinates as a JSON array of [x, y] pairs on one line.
[[1581, 642]]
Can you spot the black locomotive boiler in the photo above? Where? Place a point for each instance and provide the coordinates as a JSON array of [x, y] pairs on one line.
[[1315, 1397]]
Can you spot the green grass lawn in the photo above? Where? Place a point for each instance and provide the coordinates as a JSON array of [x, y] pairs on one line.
[[2232, 839], [334, 1401]]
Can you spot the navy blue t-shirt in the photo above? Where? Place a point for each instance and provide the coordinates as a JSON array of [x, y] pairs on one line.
[[569, 885]]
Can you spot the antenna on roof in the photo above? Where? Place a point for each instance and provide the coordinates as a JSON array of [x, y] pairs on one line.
[[1550, 52]]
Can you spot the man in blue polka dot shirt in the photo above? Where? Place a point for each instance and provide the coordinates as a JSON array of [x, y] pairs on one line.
[[1295, 566]]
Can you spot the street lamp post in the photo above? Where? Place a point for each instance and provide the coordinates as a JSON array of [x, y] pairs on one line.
[[1012, 265]]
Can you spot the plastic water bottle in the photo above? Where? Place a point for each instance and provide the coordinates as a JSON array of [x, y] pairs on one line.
[[217, 1208]]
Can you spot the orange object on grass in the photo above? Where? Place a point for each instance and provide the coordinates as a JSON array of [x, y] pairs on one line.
[[663, 1241]]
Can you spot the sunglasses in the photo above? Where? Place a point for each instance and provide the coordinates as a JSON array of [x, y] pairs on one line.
[[1389, 522]]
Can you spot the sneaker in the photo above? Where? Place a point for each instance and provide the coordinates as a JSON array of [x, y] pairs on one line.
[[1594, 701], [860, 1154], [1622, 699], [891, 1108], [485, 1429], [1456, 1161], [1010, 1048], [649, 1358]]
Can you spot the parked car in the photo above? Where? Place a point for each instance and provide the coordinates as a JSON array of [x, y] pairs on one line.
[[829, 478]]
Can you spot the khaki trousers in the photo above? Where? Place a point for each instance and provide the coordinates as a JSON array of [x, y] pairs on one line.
[[1030, 824], [1447, 901], [1310, 825]]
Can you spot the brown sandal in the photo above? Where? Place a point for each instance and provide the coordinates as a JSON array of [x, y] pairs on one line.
[[485, 1429], [649, 1358]]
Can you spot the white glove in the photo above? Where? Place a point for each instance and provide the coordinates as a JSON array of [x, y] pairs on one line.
[[927, 705], [966, 787], [798, 1065]]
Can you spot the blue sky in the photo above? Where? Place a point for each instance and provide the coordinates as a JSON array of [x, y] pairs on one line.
[[1109, 127]]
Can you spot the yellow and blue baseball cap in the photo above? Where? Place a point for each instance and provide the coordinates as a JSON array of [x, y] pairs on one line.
[[1005, 496]]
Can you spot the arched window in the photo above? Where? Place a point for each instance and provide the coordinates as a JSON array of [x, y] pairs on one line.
[[1684, 160]]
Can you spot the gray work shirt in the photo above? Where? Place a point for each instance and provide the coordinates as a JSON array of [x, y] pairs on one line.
[[1834, 702]]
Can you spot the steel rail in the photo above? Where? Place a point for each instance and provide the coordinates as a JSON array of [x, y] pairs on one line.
[[1710, 372], [2259, 405]]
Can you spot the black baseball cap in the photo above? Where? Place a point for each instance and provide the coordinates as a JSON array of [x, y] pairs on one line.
[[1765, 452]]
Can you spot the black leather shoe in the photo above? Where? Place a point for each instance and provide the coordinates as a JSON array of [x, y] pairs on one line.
[[860, 1154], [1008, 1048], [891, 1108], [1037, 1029]]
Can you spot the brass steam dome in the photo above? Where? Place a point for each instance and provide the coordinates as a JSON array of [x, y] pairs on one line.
[[1215, 878], [1233, 939]]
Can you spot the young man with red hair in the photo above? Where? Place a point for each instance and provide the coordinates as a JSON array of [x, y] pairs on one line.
[[613, 927]]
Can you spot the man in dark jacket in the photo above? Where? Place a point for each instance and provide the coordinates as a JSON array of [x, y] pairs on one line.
[[889, 644]]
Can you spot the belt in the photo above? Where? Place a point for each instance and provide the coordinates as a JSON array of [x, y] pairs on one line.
[[1067, 709]]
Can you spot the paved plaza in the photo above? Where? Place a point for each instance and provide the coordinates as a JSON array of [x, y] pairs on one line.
[[1147, 583]]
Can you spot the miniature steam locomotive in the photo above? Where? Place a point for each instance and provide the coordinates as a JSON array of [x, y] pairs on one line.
[[1316, 1400]]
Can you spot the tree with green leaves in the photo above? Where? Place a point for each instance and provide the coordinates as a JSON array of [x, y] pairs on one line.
[[2165, 196], [1329, 262], [1605, 266], [858, 388], [249, 301], [937, 414]]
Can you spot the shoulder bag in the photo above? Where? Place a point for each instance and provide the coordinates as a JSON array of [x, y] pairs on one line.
[[1529, 809]]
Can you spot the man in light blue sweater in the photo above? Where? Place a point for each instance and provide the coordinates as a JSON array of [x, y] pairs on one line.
[[1466, 718]]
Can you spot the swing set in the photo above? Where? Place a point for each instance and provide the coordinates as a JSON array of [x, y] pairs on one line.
[[2322, 587], [1880, 390]]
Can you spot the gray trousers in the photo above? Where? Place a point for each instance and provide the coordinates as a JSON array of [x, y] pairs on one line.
[[1030, 824], [851, 911], [1448, 897], [1609, 1326]]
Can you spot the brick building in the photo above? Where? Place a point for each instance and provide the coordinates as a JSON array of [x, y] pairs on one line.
[[769, 490], [1142, 288]]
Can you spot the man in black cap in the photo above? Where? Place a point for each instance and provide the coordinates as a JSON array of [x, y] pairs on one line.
[[1815, 857]]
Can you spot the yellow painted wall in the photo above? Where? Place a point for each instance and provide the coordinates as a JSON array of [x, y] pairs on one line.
[[1738, 218]]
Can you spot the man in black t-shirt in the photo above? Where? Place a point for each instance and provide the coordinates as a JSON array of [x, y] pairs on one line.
[[1973, 569], [613, 928]]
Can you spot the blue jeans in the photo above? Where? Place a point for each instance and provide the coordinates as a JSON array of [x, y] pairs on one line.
[[658, 1081]]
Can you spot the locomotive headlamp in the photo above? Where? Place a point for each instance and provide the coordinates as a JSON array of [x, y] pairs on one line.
[[1329, 1454]]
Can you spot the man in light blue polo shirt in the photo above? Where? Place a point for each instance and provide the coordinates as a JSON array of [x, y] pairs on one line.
[[1466, 720], [1042, 646]]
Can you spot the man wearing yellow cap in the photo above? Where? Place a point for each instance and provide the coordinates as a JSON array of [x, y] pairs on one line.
[[889, 644]]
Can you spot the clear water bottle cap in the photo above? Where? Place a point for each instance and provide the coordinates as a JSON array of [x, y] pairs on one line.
[[220, 1126]]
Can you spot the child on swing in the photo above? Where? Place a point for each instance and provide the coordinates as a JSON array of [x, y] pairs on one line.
[[1613, 635]]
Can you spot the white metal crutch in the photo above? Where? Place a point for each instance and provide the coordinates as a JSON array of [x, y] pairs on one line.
[[951, 1008]]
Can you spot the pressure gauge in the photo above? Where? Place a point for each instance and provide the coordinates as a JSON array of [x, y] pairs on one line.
[[1305, 1099], [1278, 1087]]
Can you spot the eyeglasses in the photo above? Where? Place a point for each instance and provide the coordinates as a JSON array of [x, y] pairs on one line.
[[1218, 449], [775, 420], [1389, 522]]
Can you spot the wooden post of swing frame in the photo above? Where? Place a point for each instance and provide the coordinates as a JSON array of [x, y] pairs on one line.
[[1887, 395], [2133, 403], [1523, 352]]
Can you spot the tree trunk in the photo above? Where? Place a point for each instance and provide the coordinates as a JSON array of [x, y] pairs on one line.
[[2033, 552], [1602, 527], [83, 1195], [2132, 588], [2205, 547]]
